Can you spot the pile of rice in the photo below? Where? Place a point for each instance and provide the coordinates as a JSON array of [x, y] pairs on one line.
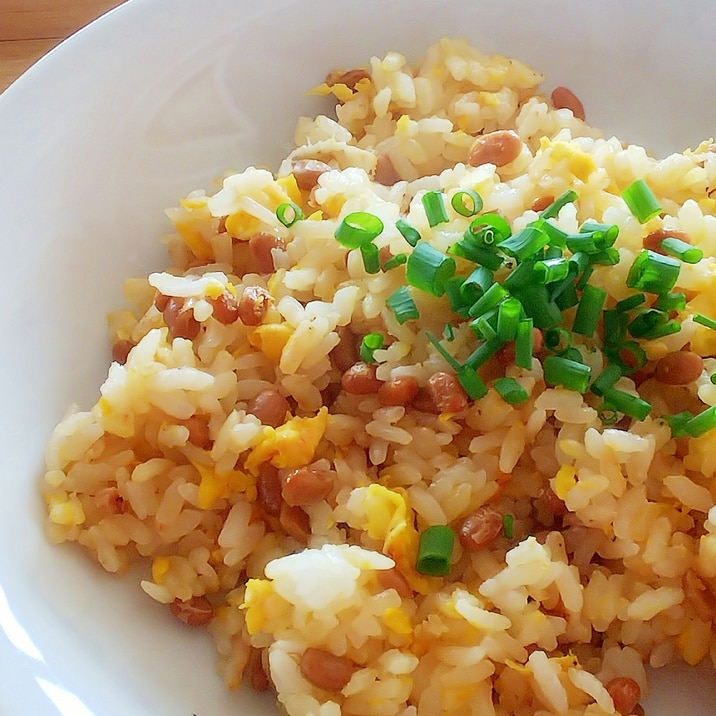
[[538, 622]]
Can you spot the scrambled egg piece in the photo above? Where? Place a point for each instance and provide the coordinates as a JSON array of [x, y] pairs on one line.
[[292, 444], [213, 487], [579, 163]]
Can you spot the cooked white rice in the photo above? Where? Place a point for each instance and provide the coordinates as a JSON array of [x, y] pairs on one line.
[[171, 465]]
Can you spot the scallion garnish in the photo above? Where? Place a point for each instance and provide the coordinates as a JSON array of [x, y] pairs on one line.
[[428, 269], [509, 313], [526, 243], [434, 205], [653, 273], [494, 295], [705, 321], [627, 304], [458, 302], [665, 329], [408, 232], [524, 344], [488, 229], [470, 380], [466, 202], [370, 254], [682, 250], [402, 305], [558, 339], [369, 345], [449, 358], [536, 301], [475, 285], [484, 352], [357, 229], [589, 310], [641, 201], [466, 248], [615, 329], [606, 379], [552, 211], [630, 357], [671, 302], [510, 390], [626, 403], [646, 321], [435, 550], [567, 373], [552, 269], [449, 332], [395, 261], [508, 526], [289, 213]]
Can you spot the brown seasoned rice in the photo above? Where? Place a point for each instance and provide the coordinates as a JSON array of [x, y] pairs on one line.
[[612, 562]]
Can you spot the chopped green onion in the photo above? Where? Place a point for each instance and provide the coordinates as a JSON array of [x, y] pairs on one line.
[[712, 378], [666, 329], [485, 325], [606, 379], [453, 290], [626, 304], [536, 301], [524, 344], [584, 278], [558, 339], [395, 261], [610, 232], [567, 373], [552, 211], [489, 229], [490, 299], [681, 250], [521, 276], [615, 329], [434, 205], [408, 232], [557, 237], [449, 332], [511, 391], [508, 317], [484, 352], [428, 269], [466, 202], [591, 243], [641, 201], [705, 321], [653, 273], [630, 357], [449, 358], [474, 385], [608, 257], [567, 296], [607, 414], [289, 213], [551, 270], [435, 550], [475, 285], [508, 525], [402, 305], [466, 248], [589, 310], [572, 353], [370, 254], [526, 243], [626, 403], [357, 229], [671, 302], [647, 320], [369, 345], [677, 421]]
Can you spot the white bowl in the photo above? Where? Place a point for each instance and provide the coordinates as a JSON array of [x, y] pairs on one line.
[[156, 99]]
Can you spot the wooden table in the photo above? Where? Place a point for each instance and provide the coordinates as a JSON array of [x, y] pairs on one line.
[[31, 28]]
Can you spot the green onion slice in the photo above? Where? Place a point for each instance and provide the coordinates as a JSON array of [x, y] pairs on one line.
[[408, 232], [558, 339], [653, 273], [646, 321], [630, 357], [510, 390], [370, 254], [466, 202], [369, 345], [490, 299], [490, 228], [641, 201], [551, 270], [627, 304], [567, 373], [434, 205], [508, 525], [626, 403], [402, 305], [449, 358], [475, 285], [289, 213], [606, 379], [589, 310], [526, 243], [435, 550], [670, 301], [470, 380], [509, 313], [682, 250], [705, 321], [524, 344], [552, 211], [357, 229], [428, 269], [395, 261]]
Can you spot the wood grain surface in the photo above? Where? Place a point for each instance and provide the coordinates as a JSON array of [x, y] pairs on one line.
[[31, 28]]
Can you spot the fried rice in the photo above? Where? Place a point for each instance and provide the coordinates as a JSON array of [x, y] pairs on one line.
[[289, 413]]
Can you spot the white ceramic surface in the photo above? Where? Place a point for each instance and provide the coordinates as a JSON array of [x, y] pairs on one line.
[[156, 99]]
